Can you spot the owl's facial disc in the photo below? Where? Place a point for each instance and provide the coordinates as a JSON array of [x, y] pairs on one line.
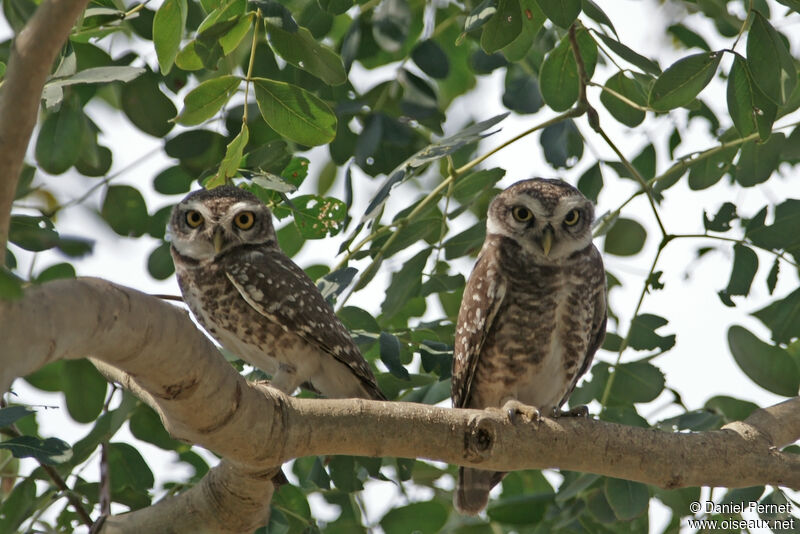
[[548, 230], [202, 229]]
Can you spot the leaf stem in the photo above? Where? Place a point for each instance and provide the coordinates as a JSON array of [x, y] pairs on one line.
[[742, 241], [623, 345], [249, 76]]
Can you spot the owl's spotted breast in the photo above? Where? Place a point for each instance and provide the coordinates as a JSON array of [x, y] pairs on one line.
[[537, 343]]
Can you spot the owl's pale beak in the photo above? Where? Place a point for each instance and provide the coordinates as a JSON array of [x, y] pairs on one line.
[[547, 240], [217, 240]]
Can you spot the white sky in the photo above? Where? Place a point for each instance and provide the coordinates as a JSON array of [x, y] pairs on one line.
[[699, 366]]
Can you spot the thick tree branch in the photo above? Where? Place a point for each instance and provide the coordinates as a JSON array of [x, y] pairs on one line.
[[152, 348], [32, 56]]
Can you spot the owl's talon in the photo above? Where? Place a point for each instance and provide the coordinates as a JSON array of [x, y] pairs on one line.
[[577, 411], [530, 414]]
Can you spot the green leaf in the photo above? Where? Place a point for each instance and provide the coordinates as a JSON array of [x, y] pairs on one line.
[[683, 80], [32, 233], [125, 211], [630, 89], [520, 509], [749, 108], [782, 234], [732, 409], [625, 238], [634, 58], [628, 499], [480, 15], [293, 503], [49, 451], [745, 265], [303, 51], [758, 161], [295, 113], [406, 283], [504, 26], [205, 100], [11, 414], [146, 425], [128, 468], [343, 474], [591, 182], [643, 334], [390, 355], [707, 172], [430, 57], [782, 317], [764, 58], [317, 217], [469, 187], [559, 77], [56, 272], [197, 150], [423, 517], [772, 277], [769, 366], [688, 37], [636, 382], [722, 220], [335, 7], [562, 144], [174, 180], [168, 25], [229, 167], [466, 243], [84, 389], [159, 263], [61, 137], [146, 106], [562, 12], [10, 285]]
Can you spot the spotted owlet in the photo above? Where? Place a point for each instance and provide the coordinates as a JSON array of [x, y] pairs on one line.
[[255, 301], [533, 312]]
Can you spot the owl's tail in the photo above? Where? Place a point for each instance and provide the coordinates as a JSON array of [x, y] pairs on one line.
[[472, 489]]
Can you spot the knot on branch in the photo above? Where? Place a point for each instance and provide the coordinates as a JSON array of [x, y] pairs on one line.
[[480, 437]]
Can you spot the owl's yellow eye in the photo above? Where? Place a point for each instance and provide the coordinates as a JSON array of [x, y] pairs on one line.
[[522, 214], [244, 220], [572, 218], [194, 218]]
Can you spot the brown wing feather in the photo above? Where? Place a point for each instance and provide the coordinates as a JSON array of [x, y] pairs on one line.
[[285, 294], [598, 325], [482, 299]]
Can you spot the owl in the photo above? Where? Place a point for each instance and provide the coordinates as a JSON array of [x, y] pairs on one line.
[[533, 312], [256, 302]]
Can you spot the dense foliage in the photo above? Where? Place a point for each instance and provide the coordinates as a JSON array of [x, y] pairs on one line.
[[241, 90]]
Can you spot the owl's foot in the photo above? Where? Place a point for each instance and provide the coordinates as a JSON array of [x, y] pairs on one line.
[[577, 411], [513, 409]]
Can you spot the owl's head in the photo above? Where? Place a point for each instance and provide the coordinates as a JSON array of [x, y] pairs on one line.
[[549, 219], [208, 223]]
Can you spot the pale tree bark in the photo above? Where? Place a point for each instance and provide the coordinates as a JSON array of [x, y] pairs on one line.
[[32, 55], [154, 349]]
